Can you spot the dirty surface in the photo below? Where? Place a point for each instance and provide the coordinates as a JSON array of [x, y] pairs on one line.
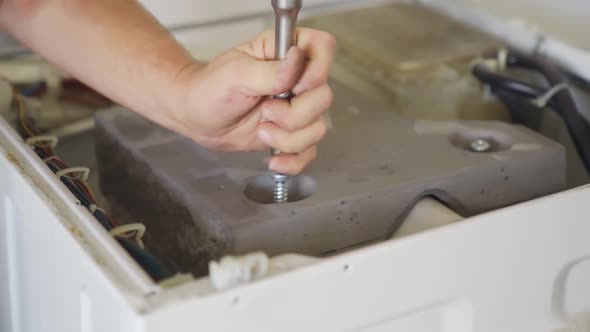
[[415, 67], [413, 59], [194, 204]]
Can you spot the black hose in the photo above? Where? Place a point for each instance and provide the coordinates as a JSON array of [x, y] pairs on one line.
[[562, 102], [497, 81], [578, 126], [150, 264]]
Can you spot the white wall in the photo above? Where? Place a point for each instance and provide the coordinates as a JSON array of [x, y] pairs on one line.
[[245, 19], [184, 11], [566, 20]]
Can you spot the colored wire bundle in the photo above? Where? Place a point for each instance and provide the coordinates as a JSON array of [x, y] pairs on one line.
[[72, 178]]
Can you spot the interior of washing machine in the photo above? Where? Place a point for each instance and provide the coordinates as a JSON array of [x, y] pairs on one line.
[[423, 108]]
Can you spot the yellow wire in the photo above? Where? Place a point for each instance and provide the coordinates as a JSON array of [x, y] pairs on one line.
[[21, 112], [23, 122]]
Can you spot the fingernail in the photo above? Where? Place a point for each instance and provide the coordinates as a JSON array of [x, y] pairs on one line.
[[264, 136]]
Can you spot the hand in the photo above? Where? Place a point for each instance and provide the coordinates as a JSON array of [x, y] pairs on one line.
[[225, 105]]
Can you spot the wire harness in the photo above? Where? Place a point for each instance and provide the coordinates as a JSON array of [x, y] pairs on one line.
[[129, 236]]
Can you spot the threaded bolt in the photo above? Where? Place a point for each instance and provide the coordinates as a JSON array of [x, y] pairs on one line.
[[281, 191]]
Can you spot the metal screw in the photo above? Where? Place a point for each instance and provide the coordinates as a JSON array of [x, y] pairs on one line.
[[480, 145], [281, 191]]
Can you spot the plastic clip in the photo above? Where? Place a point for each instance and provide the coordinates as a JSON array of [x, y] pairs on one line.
[[231, 271], [46, 160], [125, 230], [502, 59], [66, 171], [498, 64], [35, 140], [93, 208]]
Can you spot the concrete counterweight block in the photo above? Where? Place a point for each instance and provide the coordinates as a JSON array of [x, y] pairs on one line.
[[372, 167]]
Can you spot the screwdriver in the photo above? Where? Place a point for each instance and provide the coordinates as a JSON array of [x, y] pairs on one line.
[[286, 12]]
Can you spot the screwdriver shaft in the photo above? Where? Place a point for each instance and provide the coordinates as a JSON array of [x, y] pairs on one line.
[[286, 12]]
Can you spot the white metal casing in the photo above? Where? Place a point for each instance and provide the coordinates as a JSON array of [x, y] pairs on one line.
[[523, 268]]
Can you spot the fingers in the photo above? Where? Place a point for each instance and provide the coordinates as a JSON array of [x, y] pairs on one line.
[[262, 78], [261, 47], [294, 127], [318, 47], [302, 111], [292, 142], [292, 164]]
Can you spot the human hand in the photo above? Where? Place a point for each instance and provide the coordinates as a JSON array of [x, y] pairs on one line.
[[225, 105]]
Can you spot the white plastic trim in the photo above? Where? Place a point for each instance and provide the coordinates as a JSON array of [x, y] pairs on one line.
[[231, 271]]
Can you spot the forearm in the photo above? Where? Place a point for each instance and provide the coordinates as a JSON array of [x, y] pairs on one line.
[[115, 46]]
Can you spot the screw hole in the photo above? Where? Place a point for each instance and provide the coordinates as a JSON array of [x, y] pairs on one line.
[[346, 267], [481, 141], [480, 145], [260, 188], [236, 300]]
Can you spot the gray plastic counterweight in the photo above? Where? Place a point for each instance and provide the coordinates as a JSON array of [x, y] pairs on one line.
[[371, 167]]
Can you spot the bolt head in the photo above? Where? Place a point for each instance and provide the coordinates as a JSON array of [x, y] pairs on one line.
[[480, 145]]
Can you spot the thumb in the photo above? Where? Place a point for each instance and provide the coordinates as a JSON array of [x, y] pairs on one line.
[[267, 78]]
